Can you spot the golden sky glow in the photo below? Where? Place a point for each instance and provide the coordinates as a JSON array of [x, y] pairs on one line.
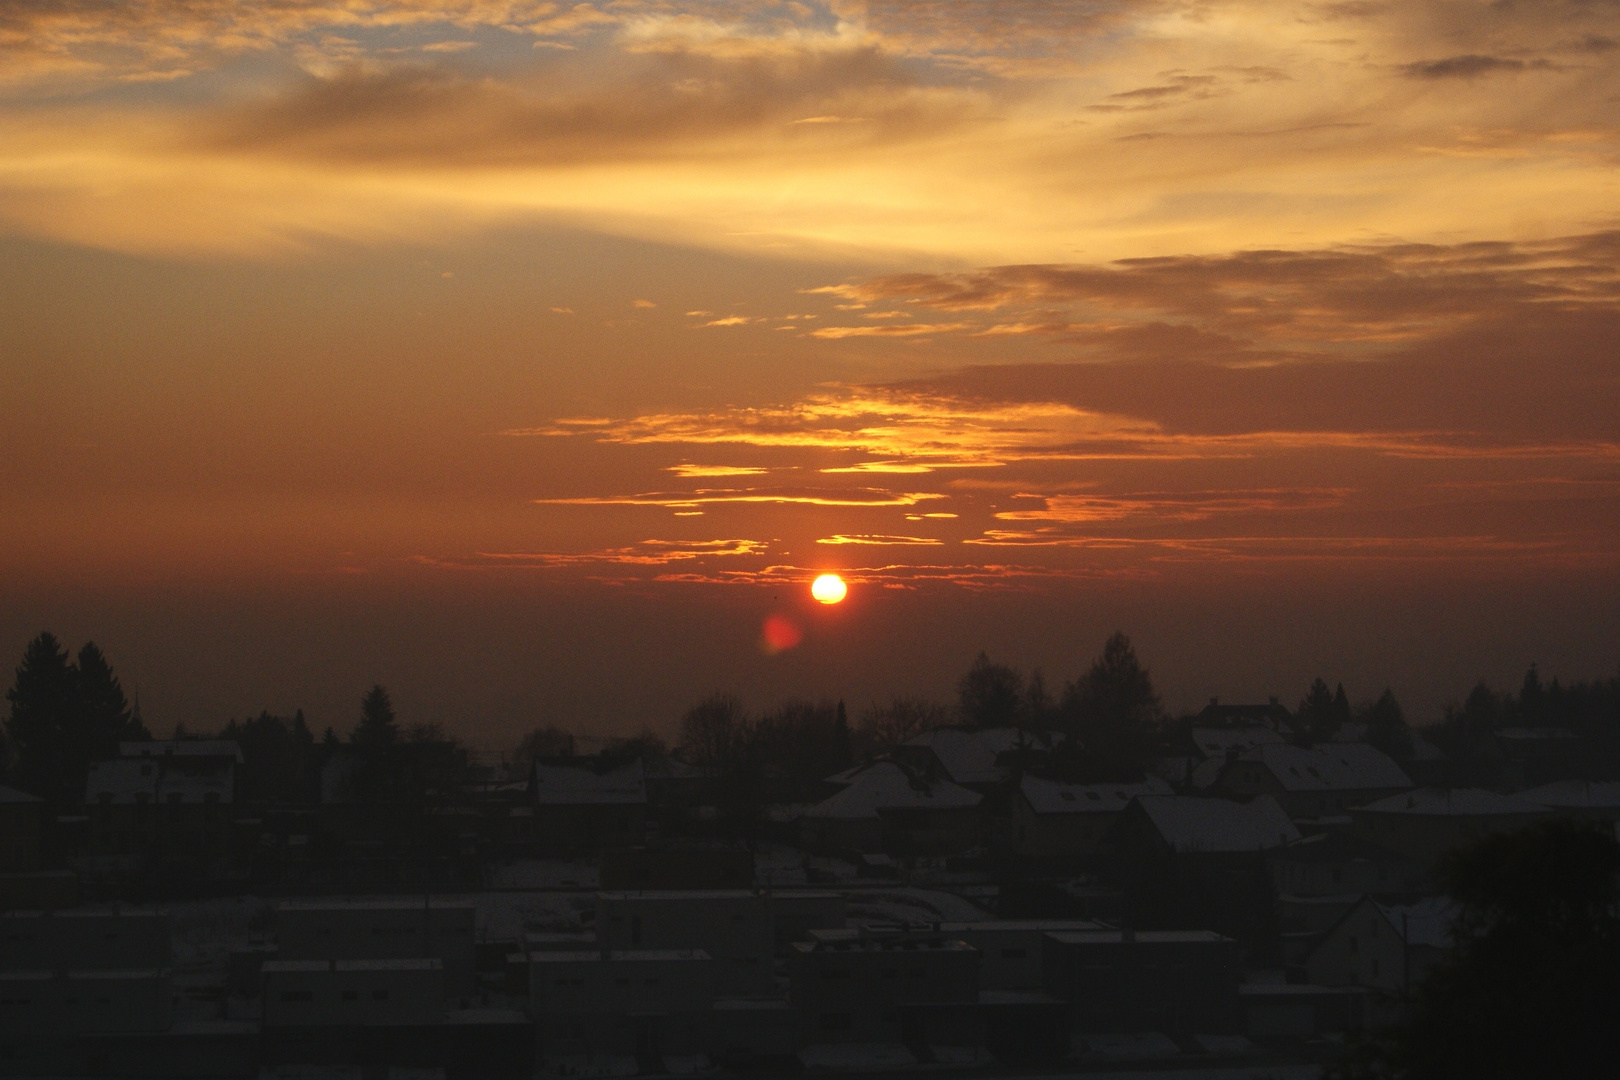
[[692, 301]]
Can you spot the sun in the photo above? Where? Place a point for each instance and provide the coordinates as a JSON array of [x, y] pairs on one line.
[[829, 588]]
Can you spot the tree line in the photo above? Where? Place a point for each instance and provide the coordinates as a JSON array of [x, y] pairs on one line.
[[68, 710]]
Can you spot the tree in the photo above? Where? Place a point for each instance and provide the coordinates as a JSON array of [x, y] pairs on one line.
[[990, 694], [1386, 727], [547, 740], [102, 713], [1533, 985], [1113, 707], [377, 729], [712, 730], [886, 725], [40, 720], [1317, 714], [64, 715]]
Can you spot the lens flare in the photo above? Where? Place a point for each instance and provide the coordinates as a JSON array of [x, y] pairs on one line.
[[829, 589], [779, 634]]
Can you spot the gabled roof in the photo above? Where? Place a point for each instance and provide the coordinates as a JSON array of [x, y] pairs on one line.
[[1575, 794], [1329, 767], [969, 756], [578, 785], [1335, 847], [189, 748], [1272, 714], [1214, 826], [1452, 802], [1055, 797], [12, 795], [887, 786], [1217, 742], [1427, 922]]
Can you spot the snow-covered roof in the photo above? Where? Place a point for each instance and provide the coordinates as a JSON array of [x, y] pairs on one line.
[[226, 748], [1452, 802], [12, 795], [1575, 794], [1213, 742], [969, 757], [1335, 847], [887, 786], [1054, 797], [1427, 922], [565, 785], [1192, 824], [1329, 767], [1536, 734], [131, 780]]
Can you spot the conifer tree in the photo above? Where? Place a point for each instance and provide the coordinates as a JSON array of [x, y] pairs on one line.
[[377, 728]]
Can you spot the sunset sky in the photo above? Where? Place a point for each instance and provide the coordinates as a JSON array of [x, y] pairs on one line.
[[526, 357]]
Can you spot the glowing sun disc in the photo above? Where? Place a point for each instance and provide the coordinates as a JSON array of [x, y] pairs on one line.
[[829, 588]]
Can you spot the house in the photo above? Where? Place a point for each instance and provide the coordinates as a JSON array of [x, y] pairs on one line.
[[1190, 861], [171, 797], [733, 927], [1010, 950], [871, 990], [1190, 826], [1588, 799], [1049, 819], [97, 938], [404, 928], [583, 805], [1313, 782], [635, 1004], [1386, 947], [1173, 981], [890, 807], [1427, 823], [352, 993], [1336, 863], [22, 818], [84, 1002]]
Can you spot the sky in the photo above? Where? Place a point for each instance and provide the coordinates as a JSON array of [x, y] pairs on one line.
[[528, 357]]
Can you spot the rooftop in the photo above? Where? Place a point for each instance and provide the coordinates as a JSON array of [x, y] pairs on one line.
[[1575, 795], [887, 786], [1450, 802], [574, 785], [616, 956], [1329, 767], [1191, 824], [203, 748], [1055, 797], [1216, 742], [1141, 937]]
